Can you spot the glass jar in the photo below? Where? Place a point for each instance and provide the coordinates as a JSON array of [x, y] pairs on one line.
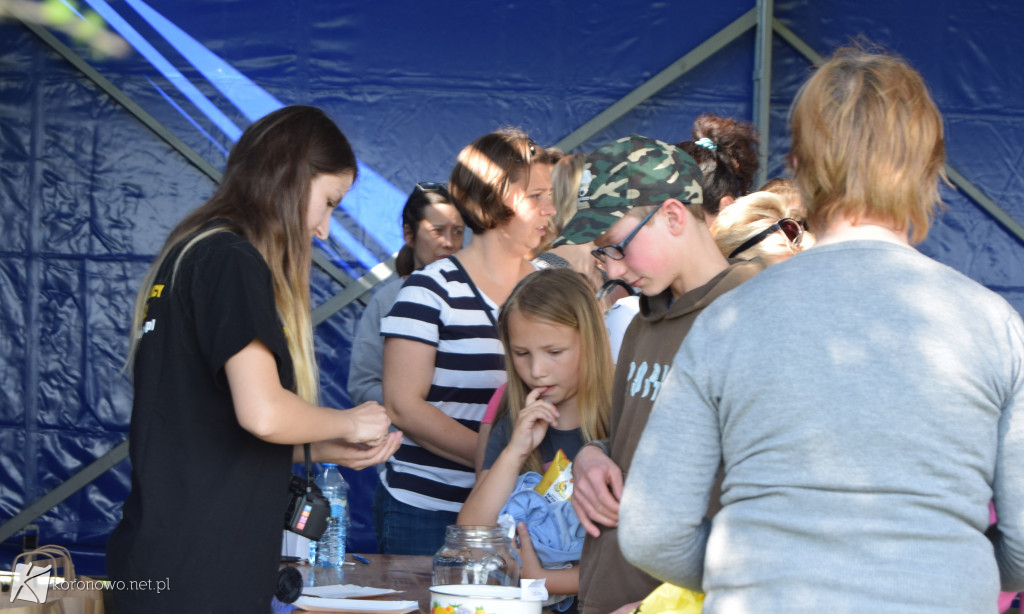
[[476, 555]]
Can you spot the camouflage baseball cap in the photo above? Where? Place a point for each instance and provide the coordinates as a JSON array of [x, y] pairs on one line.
[[633, 171]]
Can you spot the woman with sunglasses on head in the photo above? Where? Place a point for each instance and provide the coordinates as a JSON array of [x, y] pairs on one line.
[[859, 464], [759, 225], [442, 356], [433, 229], [225, 377]]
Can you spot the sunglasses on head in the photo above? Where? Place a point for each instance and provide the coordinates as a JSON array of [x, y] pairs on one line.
[[790, 227], [432, 186]]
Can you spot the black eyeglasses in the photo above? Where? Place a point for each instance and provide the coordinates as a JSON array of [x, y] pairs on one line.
[[617, 251], [792, 229]]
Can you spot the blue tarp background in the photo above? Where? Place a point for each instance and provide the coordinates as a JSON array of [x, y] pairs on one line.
[[87, 193]]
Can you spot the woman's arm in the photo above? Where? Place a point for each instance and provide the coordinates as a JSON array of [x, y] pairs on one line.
[[354, 455], [408, 373], [365, 382], [271, 412]]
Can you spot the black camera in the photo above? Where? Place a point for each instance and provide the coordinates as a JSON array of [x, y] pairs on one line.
[[308, 509]]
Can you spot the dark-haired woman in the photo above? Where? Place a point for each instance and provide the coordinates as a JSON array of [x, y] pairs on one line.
[[726, 151], [433, 229]]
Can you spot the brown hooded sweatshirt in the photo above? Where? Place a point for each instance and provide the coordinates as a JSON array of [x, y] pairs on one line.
[[607, 580]]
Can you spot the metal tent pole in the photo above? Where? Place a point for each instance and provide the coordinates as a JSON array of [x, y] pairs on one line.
[[763, 86]]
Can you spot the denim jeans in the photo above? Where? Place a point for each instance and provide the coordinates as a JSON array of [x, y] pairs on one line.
[[404, 529]]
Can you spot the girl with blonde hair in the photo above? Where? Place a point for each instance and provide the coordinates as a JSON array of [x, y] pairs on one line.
[[558, 398]]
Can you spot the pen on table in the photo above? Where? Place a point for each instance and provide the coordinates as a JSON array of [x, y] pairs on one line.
[[361, 559]]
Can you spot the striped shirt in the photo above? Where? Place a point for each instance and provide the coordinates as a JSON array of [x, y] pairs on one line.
[[437, 305]]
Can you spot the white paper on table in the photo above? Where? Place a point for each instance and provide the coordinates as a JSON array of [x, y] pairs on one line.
[[363, 606], [345, 591], [533, 590]]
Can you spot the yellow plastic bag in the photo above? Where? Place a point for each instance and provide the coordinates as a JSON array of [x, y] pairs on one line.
[[671, 599]]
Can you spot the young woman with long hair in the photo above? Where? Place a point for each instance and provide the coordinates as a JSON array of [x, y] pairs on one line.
[[226, 381]]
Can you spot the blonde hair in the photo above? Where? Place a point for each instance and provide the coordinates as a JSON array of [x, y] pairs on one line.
[[790, 193], [746, 217], [263, 197], [868, 143], [565, 182], [562, 296]]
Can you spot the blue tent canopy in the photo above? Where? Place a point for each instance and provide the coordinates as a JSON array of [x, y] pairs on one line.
[[88, 190]]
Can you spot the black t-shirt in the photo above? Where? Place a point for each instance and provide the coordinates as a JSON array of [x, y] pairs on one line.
[[207, 505], [569, 441]]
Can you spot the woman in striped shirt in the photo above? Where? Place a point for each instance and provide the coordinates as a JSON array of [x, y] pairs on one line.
[[442, 356]]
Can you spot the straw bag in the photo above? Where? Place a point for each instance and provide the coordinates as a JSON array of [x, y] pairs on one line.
[[45, 583]]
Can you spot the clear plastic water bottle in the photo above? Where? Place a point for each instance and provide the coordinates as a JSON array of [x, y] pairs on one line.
[[330, 550]]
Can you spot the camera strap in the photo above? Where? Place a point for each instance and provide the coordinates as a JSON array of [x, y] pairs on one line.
[[309, 468]]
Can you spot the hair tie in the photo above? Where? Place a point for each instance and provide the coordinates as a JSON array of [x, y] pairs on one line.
[[706, 143]]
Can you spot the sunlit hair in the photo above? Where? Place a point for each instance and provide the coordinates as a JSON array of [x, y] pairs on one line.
[[868, 143], [264, 196], [412, 214], [790, 193], [565, 185], [485, 171], [729, 166], [750, 215], [562, 296]]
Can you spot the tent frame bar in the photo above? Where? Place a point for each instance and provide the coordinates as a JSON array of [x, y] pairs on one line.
[[763, 85], [659, 81]]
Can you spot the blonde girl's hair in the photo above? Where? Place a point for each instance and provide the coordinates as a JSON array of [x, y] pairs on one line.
[[263, 197], [790, 193], [562, 296], [867, 143], [749, 215]]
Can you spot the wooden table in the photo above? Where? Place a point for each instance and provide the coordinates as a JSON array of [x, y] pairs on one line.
[[406, 573]]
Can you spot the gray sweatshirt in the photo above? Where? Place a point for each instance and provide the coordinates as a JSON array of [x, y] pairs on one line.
[[365, 381], [865, 403]]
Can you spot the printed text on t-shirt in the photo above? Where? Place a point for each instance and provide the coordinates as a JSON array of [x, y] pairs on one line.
[[645, 379]]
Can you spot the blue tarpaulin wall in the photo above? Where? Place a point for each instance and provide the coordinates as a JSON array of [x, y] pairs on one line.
[[87, 193]]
